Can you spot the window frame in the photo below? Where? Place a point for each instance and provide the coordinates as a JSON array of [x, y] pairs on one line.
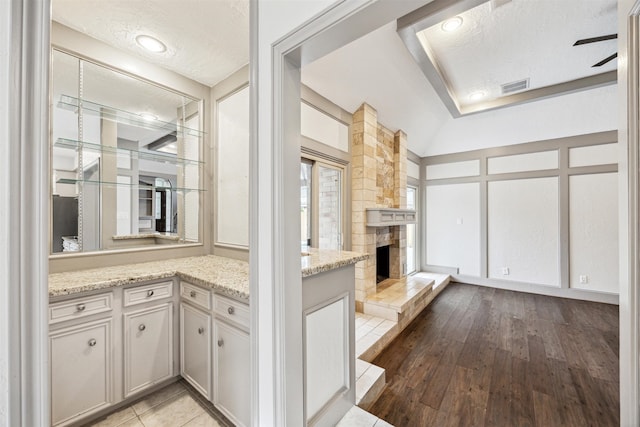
[[315, 162]]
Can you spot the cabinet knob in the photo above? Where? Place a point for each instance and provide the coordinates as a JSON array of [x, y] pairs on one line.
[[220, 342], [200, 330], [92, 342], [231, 309], [193, 294], [150, 293], [80, 307], [142, 327]]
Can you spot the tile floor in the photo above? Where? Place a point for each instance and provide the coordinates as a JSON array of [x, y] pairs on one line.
[[175, 405], [357, 417], [369, 330]]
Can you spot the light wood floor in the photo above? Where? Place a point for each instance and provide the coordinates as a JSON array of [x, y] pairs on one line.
[[485, 357]]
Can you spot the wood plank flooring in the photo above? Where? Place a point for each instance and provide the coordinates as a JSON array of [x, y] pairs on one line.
[[479, 356]]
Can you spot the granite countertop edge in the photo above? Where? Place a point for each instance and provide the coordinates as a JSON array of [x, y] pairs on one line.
[[335, 259], [224, 275]]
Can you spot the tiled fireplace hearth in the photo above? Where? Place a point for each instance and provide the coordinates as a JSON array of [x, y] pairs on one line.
[[379, 180]]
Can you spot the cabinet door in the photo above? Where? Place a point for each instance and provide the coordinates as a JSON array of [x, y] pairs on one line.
[[148, 347], [195, 348], [232, 373], [80, 361]]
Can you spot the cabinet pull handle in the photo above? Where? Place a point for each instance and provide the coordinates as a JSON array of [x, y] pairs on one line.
[[80, 307], [200, 330], [231, 310], [220, 342], [92, 342], [150, 293], [142, 327], [193, 294]]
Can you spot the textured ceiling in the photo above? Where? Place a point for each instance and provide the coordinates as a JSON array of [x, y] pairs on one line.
[[379, 70], [206, 40], [523, 39]]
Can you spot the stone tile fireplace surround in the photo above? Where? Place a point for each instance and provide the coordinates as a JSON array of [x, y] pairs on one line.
[[379, 180]]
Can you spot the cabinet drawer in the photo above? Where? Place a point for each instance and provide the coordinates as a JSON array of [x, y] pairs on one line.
[[79, 307], [147, 293], [196, 295], [231, 309]]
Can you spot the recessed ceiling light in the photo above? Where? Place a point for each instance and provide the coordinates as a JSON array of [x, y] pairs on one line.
[[452, 24], [151, 43], [148, 116], [478, 95]]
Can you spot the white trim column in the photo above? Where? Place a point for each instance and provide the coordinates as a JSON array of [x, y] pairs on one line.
[[24, 168], [629, 211], [274, 252]]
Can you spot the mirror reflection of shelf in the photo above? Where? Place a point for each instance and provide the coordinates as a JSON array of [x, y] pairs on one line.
[[144, 155], [120, 184], [70, 103]]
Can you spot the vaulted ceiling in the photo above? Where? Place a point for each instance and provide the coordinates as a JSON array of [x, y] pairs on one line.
[[500, 41]]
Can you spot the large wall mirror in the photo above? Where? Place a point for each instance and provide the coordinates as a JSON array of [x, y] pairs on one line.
[[126, 160]]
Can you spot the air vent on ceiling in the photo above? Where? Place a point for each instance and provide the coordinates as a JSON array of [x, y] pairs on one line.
[[497, 3], [516, 86]]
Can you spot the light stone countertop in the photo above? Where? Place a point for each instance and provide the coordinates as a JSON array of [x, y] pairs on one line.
[[225, 275], [320, 260]]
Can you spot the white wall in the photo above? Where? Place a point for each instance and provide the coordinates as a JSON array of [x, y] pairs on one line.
[[547, 221], [574, 114], [523, 232], [453, 227], [232, 159], [593, 233], [321, 127]]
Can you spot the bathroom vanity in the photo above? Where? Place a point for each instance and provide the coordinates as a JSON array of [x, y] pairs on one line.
[[117, 333], [120, 331]]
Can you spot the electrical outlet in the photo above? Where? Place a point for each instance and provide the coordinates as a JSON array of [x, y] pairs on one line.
[[459, 221], [505, 271], [584, 279]]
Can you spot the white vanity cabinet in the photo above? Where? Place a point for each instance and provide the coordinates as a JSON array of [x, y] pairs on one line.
[[231, 377], [148, 347], [107, 346], [81, 360], [148, 335], [214, 349], [195, 337], [232, 381]]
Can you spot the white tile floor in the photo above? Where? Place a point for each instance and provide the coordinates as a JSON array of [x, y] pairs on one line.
[[176, 405], [357, 417]]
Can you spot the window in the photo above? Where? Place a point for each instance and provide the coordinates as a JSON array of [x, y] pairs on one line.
[[411, 232], [321, 204], [305, 202]]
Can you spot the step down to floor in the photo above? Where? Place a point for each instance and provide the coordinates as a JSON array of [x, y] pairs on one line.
[[370, 381], [402, 300], [395, 297]]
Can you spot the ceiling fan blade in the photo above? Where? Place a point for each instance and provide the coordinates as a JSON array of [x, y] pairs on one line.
[[605, 60], [596, 39]]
